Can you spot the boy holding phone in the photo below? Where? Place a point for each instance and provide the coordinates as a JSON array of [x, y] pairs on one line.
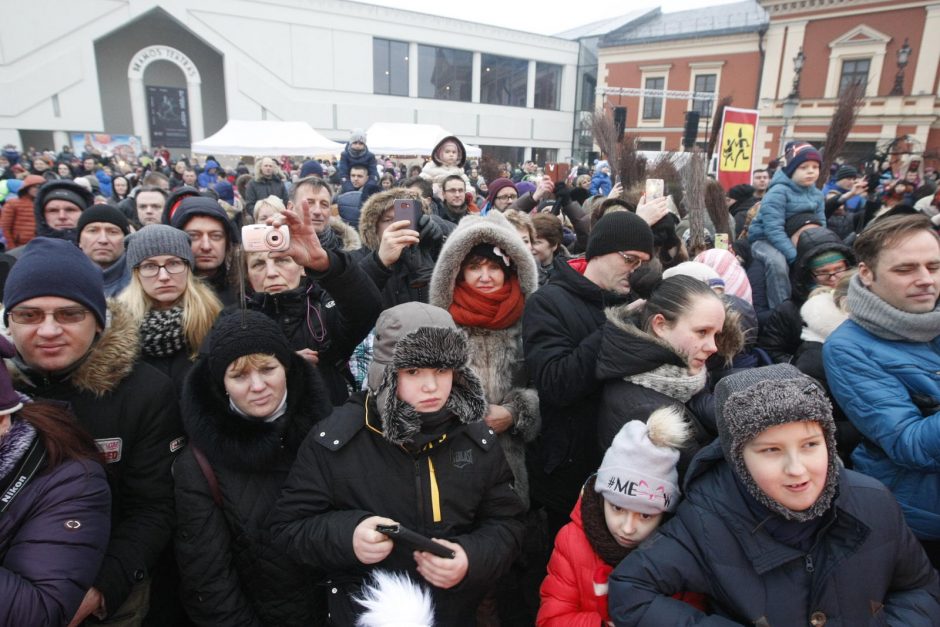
[[412, 450]]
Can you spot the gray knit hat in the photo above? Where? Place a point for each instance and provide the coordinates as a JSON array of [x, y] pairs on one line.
[[639, 469], [158, 239], [750, 401]]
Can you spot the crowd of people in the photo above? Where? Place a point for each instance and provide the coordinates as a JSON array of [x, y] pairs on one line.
[[529, 401]]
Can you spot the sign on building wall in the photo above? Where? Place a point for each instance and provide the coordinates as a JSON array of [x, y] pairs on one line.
[[125, 147], [168, 112], [736, 146]]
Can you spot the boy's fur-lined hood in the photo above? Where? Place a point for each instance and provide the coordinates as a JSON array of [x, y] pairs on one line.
[[110, 360], [494, 229]]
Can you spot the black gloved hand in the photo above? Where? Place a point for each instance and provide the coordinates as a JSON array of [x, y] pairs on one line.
[[429, 231], [562, 195]]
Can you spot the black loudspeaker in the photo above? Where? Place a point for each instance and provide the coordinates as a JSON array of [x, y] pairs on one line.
[[620, 121], [691, 129]]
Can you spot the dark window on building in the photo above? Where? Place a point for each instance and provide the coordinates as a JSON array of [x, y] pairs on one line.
[[705, 84], [444, 73], [503, 80], [653, 105], [854, 72], [588, 95], [651, 145], [389, 67], [547, 86]]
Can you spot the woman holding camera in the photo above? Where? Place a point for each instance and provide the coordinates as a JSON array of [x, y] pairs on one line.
[[323, 302], [247, 404], [173, 309]]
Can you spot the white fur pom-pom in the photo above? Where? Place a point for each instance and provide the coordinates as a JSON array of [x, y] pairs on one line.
[[394, 600], [668, 427]]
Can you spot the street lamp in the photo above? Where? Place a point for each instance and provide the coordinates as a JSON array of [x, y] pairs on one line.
[[904, 55], [798, 62]]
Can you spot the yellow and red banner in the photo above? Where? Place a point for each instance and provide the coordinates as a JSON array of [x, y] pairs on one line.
[[736, 146]]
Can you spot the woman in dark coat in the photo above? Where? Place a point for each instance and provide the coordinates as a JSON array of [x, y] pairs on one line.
[[247, 405], [55, 523], [656, 355]]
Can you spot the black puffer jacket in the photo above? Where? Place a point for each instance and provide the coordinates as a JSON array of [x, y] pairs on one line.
[[627, 351], [561, 330], [231, 572], [330, 313], [866, 567], [130, 409], [458, 489]]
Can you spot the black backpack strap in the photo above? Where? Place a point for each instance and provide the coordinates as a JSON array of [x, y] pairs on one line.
[[32, 462], [209, 474]]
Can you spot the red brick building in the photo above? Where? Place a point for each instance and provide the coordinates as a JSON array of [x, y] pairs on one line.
[[747, 50]]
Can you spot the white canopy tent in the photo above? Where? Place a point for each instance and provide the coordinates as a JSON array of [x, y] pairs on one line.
[[266, 138], [389, 138]]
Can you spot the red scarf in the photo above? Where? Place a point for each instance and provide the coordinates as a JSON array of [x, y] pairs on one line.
[[498, 310]]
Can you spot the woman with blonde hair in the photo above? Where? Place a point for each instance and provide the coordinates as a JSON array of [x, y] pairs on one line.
[[172, 307], [266, 182], [267, 207]]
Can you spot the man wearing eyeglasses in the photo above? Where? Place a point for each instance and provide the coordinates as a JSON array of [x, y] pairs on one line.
[[883, 366], [74, 348], [213, 237], [562, 330], [456, 206]]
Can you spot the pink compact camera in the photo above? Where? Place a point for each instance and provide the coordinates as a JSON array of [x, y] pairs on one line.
[[261, 238]]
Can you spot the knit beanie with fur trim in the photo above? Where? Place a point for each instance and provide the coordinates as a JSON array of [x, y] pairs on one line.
[[639, 469], [753, 400], [417, 335]]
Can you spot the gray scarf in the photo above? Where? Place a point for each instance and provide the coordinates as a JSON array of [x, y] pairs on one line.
[[329, 240], [879, 318], [673, 381]]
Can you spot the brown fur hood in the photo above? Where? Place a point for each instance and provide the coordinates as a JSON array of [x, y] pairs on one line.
[[112, 358], [494, 229], [346, 233]]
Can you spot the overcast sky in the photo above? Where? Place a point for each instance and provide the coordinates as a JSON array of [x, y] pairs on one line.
[[542, 18]]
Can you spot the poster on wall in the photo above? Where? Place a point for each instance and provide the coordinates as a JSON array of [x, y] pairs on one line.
[[125, 147], [168, 111], [736, 146]]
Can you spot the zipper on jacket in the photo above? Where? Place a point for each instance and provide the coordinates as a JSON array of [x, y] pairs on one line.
[[808, 560]]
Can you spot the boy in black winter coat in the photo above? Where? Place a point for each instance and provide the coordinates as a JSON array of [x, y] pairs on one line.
[[412, 450], [773, 530]]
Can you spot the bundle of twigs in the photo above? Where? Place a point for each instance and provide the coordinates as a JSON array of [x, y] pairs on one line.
[[695, 202], [632, 164], [850, 101], [605, 136]]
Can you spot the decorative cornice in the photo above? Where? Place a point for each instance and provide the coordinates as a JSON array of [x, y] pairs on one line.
[[787, 7]]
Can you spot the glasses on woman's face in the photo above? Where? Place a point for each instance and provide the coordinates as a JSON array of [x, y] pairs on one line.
[[828, 276], [62, 315], [149, 269], [632, 260]]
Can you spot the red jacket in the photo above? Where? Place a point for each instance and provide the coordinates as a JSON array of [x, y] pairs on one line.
[[574, 594], [570, 596]]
